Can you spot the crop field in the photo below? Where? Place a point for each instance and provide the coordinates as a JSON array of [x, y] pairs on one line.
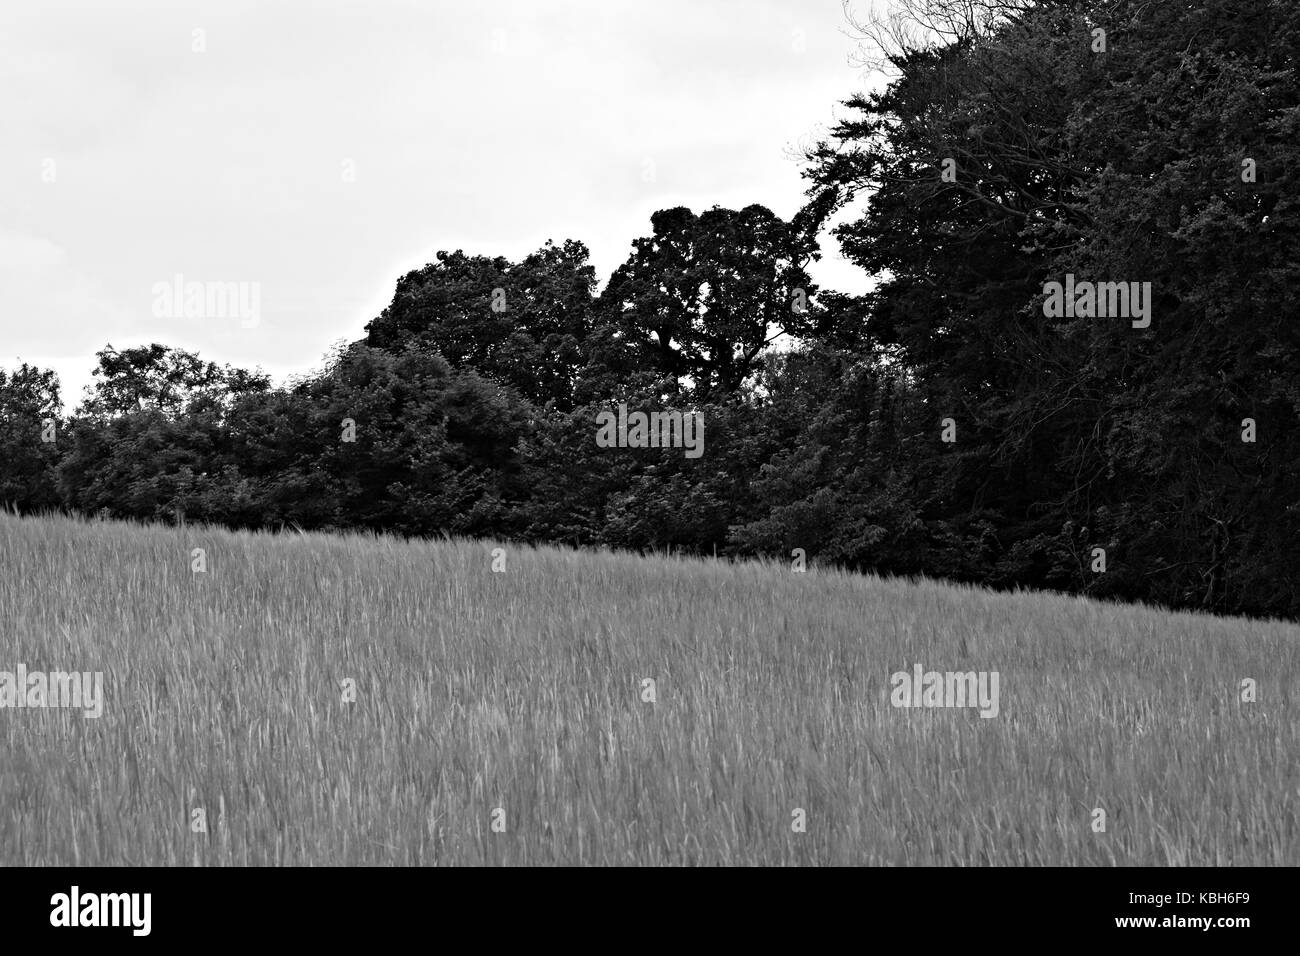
[[329, 700]]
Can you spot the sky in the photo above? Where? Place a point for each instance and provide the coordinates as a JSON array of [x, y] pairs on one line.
[[315, 152]]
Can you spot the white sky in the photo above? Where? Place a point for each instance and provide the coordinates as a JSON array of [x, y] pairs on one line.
[[488, 126]]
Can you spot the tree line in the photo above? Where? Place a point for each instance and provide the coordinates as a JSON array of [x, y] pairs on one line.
[[942, 424]]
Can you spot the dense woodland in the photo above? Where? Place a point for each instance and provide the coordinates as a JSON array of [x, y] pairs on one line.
[[1171, 157]]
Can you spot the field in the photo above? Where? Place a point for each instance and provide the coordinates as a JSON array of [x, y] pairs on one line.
[[523, 691]]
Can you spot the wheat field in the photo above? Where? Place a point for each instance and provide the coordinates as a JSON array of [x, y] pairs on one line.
[[501, 717]]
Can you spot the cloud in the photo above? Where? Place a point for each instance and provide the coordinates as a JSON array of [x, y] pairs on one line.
[[18, 251]]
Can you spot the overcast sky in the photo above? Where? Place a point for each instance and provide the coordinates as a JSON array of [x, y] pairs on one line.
[[323, 149]]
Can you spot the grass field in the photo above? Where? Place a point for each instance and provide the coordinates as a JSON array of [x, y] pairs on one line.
[[522, 690]]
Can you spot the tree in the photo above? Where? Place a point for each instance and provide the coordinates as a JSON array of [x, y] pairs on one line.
[[162, 378], [1117, 165], [703, 296], [30, 423], [521, 324]]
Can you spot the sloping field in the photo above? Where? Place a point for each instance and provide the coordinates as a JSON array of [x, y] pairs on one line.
[[518, 698]]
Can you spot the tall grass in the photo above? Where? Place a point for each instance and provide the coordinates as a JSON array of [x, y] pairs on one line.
[[522, 691]]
